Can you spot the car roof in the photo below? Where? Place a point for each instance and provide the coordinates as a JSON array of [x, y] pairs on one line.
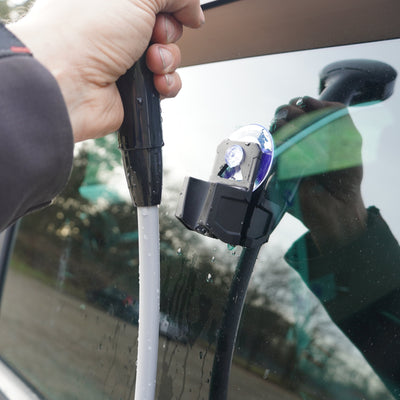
[[243, 28]]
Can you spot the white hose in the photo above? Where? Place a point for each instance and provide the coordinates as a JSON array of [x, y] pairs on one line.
[[149, 302]]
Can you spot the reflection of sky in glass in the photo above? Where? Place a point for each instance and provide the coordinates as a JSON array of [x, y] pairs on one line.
[[218, 98], [13, 3]]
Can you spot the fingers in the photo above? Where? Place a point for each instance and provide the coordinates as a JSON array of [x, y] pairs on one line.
[[308, 104], [285, 114], [163, 58], [166, 29], [168, 85], [298, 107], [188, 12]]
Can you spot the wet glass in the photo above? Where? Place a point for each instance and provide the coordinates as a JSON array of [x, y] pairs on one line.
[[321, 312]]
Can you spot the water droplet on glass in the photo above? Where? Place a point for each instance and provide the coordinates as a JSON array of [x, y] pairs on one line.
[[212, 259], [209, 278], [179, 252], [139, 100]]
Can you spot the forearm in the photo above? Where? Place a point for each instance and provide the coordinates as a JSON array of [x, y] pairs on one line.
[[351, 278], [342, 228], [36, 139]]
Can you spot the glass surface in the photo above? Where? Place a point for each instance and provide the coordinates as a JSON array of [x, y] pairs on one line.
[[69, 310]]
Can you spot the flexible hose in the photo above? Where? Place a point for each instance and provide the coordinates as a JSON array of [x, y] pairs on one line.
[[149, 302], [230, 324]]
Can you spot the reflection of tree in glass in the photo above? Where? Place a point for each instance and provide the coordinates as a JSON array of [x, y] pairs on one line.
[[99, 234], [98, 231], [13, 9]]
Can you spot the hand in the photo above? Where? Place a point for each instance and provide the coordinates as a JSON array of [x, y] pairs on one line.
[[329, 194], [88, 44]]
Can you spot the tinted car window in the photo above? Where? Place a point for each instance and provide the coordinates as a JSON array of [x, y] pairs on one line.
[[321, 315]]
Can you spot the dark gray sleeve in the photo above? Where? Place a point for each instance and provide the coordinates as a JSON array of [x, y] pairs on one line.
[[36, 142]]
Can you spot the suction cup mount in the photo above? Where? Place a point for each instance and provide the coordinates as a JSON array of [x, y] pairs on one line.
[[234, 155], [230, 206]]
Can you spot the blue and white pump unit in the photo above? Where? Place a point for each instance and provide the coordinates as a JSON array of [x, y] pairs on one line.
[[230, 206]]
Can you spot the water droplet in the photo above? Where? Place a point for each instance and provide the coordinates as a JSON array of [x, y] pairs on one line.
[[179, 252], [212, 259], [139, 100], [209, 278]]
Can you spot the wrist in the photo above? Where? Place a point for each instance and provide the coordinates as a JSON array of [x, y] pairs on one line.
[[45, 52], [10, 45], [341, 229]]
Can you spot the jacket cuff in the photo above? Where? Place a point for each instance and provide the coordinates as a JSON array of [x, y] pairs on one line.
[[355, 276]]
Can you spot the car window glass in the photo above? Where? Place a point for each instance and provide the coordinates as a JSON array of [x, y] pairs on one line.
[[321, 313]]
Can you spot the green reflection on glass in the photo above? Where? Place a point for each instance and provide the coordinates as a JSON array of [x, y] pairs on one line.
[[318, 142]]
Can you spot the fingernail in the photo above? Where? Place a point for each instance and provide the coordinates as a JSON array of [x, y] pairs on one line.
[[168, 30], [168, 79], [202, 17], [166, 58], [281, 114], [300, 102]]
